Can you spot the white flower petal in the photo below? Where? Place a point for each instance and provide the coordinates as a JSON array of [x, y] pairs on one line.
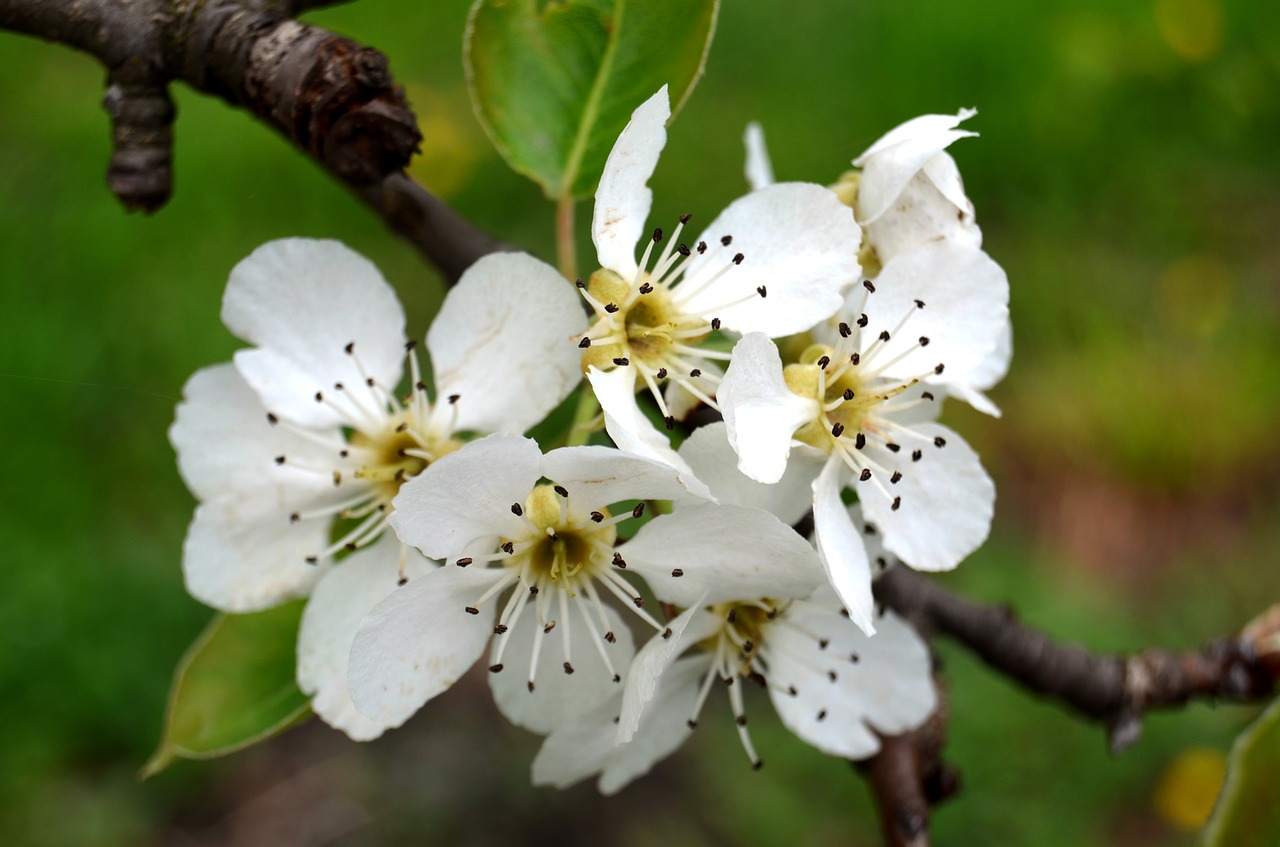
[[888, 688], [759, 171], [724, 553], [966, 297], [623, 198], [840, 547], [418, 641], [931, 207], [652, 663], [302, 301], [664, 728], [339, 602], [992, 369], [799, 243], [631, 430], [501, 342], [242, 554], [892, 161], [597, 476], [712, 458], [760, 411], [558, 698], [467, 495], [225, 444], [947, 501]]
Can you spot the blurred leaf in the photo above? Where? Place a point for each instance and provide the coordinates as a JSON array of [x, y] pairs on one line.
[[234, 687], [555, 81], [1189, 786], [1248, 810]]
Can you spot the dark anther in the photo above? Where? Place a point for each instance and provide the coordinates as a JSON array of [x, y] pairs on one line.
[[848, 394], [882, 563], [685, 218], [420, 385], [616, 678], [337, 478], [748, 646], [561, 490], [597, 516], [855, 658], [884, 335], [691, 723], [410, 346], [916, 455], [463, 562], [509, 547], [939, 441], [369, 382], [732, 616], [924, 341], [337, 386], [677, 572], [862, 320], [638, 510], [702, 247], [568, 668], [666, 633], [893, 448], [639, 601], [404, 580], [791, 689], [726, 240], [533, 591], [343, 453], [517, 509], [272, 419], [897, 475], [831, 675], [824, 361], [279, 460], [584, 343], [295, 517], [454, 398], [762, 291], [715, 323], [822, 714], [319, 397], [657, 234], [311, 560], [500, 629], [865, 475], [919, 304], [855, 358], [683, 250], [402, 427], [611, 307], [869, 529], [939, 368], [670, 422], [350, 348], [580, 283], [836, 429], [823, 643], [472, 610], [646, 288], [695, 373], [928, 395], [737, 260], [495, 668], [866, 283], [530, 685], [610, 637], [757, 764], [845, 331], [741, 720], [618, 561], [897, 503], [661, 374]]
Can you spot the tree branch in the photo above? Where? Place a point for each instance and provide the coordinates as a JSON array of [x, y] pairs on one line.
[[332, 97], [1115, 690]]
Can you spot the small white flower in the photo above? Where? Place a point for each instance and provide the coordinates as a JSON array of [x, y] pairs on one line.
[[552, 550], [775, 261], [832, 685], [867, 399], [307, 429]]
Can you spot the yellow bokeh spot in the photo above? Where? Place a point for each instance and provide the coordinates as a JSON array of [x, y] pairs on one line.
[[1196, 293], [451, 142], [1189, 786], [1191, 28]]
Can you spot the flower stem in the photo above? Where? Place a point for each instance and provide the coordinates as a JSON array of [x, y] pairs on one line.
[[566, 248], [584, 418]]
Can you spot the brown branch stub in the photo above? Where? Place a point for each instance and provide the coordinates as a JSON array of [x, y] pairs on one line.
[[140, 172], [1115, 690], [908, 777]]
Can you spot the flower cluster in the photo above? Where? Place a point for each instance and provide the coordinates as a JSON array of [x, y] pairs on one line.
[[612, 583]]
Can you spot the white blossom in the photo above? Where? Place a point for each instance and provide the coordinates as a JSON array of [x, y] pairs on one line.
[[307, 429]]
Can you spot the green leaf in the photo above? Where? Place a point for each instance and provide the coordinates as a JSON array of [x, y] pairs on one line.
[[1248, 810], [234, 687], [553, 82]]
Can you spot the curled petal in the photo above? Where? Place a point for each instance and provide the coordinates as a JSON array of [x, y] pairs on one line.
[[890, 163], [623, 198], [840, 547], [759, 171]]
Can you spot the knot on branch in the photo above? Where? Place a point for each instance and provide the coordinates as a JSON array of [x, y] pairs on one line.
[[141, 169]]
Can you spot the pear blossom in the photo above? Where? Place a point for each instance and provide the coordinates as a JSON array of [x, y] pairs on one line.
[[831, 684], [774, 261], [532, 549], [305, 431], [909, 195], [868, 398]]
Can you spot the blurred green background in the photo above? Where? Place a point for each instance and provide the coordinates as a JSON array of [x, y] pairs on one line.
[[1127, 178]]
